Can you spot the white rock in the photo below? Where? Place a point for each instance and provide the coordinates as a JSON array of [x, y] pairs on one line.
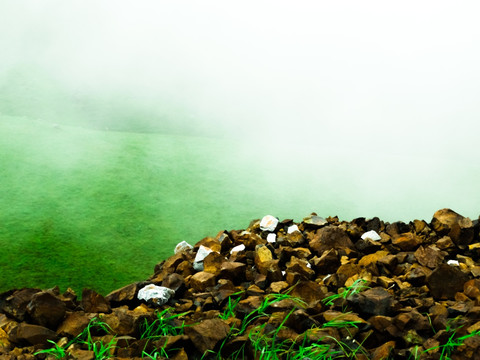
[[292, 229], [159, 294], [271, 238], [202, 253], [326, 277], [309, 265], [182, 246], [453, 262], [237, 248], [268, 223], [372, 235]]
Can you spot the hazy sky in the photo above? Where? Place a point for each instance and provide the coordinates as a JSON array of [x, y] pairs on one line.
[[305, 79]]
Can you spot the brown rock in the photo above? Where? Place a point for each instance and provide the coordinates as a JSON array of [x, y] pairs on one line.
[[458, 228], [471, 288], [14, 303], [202, 280], [46, 309], [339, 317], [330, 237], [376, 301], [124, 294], [278, 286], [263, 258], [384, 351], [5, 345], [74, 323], [213, 263], [93, 302], [327, 263], [430, 256], [234, 271], [123, 321], [445, 243], [251, 303], [308, 291], [445, 281], [207, 334], [31, 334], [406, 241], [301, 267]]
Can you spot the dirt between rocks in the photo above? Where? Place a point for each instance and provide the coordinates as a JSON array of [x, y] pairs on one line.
[[365, 289]]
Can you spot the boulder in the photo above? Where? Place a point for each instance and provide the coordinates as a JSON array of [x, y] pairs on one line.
[[445, 281], [329, 237], [93, 302]]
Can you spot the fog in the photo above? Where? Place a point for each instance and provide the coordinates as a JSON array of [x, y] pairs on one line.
[[372, 105]]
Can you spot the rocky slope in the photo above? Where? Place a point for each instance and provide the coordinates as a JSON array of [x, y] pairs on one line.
[[381, 290]]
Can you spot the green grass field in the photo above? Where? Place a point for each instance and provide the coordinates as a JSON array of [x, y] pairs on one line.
[[89, 208]]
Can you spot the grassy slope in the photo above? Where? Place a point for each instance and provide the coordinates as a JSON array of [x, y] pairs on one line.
[[98, 209]]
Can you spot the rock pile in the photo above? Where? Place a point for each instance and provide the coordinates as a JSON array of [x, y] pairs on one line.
[[382, 290]]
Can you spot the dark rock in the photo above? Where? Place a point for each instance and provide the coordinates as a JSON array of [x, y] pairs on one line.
[[376, 301], [14, 303], [46, 310], [327, 263], [445, 281]]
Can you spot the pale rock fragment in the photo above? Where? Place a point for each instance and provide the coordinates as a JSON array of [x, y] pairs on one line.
[[268, 223], [183, 246], [372, 235], [292, 229], [272, 237], [240, 247], [157, 294], [201, 254]]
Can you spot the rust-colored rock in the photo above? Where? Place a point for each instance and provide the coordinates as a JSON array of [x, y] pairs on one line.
[[74, 323], [124, 294]]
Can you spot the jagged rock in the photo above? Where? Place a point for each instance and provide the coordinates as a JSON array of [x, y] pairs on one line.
[[31, 334], [207, 334], [46, 310], [431, 256], [93, 302], [445, 281], [327, 263], [471, 288]]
